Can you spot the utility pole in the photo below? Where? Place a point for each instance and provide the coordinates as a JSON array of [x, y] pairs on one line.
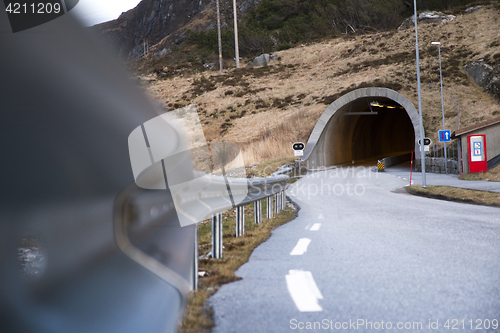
[[442, 105], [218, 36], [236, 49], [422, 152]]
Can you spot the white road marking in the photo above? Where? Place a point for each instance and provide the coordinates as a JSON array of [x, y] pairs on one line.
[[304, 291], [315, 226], [301, 247], [321, 216], [308, 226]]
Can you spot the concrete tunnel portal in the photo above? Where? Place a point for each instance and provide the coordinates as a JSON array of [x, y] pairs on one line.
[[362, 126]]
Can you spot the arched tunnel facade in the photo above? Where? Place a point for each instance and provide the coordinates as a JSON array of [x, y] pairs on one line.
[[362, 126]]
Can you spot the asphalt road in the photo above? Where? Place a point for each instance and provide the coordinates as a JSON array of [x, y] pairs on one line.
[[403, 171], [362, 258]]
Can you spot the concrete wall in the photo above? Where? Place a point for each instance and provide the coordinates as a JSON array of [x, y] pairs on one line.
[[339, 138], [492, 143]]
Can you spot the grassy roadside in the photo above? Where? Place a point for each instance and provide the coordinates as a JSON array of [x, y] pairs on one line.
[[492, 175], [456, 195], [198, 316], [266, 168]]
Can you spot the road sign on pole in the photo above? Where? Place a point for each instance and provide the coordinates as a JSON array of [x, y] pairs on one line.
[[445, 136], [427, 142], [298, 146], [426, 147]]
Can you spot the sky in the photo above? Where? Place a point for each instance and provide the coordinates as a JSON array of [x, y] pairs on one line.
[[97, 11]]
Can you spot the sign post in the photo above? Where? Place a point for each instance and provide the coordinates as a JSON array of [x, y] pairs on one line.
[[298, 148], [427, 143], [445, 136]]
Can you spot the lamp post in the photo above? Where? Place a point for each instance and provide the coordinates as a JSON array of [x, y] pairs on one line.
[[218, 37], [236, 48], [422, 153], [442, 103]]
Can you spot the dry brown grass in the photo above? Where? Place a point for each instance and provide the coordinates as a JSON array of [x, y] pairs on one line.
[[267, 167], [198, 317], [275, 140], [239, 104], [456, 194], [492, 175]]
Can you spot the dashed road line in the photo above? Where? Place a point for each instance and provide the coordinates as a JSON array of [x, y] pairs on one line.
[[316, 226], [301, 247], [304, 291]]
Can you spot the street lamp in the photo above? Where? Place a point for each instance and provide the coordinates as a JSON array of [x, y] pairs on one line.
[[236, 48], [442, 103], [218, 36], [422, 153]]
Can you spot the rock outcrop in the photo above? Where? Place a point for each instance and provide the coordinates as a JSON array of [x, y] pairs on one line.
[[487, 76], [261, 60], [426, 17]]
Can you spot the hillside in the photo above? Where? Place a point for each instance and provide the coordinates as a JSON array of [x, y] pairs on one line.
[[245, 105], [162, 24], [157, 27]]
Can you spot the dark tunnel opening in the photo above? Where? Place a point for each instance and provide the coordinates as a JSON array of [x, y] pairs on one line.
[[368, 129]]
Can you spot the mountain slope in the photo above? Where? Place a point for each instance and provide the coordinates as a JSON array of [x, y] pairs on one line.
[[246, 105], [163, 22], [150, 21]]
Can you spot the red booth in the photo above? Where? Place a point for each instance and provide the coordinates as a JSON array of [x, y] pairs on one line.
[[477, 153]]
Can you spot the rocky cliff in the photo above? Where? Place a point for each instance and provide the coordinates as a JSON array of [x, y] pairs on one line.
[[154, 25], [486, 75]]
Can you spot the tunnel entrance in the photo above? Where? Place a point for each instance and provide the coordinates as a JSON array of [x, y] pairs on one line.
[[362, 126]]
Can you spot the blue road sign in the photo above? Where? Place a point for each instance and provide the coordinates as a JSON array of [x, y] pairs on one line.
[[444, 136]]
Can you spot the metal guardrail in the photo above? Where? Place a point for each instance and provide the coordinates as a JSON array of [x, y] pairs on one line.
[[153, 206], [283, 170], [272, 189], [98, 252]]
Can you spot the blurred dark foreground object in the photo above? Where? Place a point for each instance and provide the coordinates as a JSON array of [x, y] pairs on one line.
[[66, 112]]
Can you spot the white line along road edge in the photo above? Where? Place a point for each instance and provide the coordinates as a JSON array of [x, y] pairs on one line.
[[304, 291], [301, 247]]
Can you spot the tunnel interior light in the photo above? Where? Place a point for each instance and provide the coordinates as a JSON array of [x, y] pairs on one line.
[[361, 113], [387, 106]]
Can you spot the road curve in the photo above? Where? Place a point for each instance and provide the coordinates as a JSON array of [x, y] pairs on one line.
[[362, 258]]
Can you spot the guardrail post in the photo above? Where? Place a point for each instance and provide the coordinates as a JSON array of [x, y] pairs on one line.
[[269, 202], [276, 204], [283, 200], [216, 236], [240, 221], [257, 211], [195, 259]]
